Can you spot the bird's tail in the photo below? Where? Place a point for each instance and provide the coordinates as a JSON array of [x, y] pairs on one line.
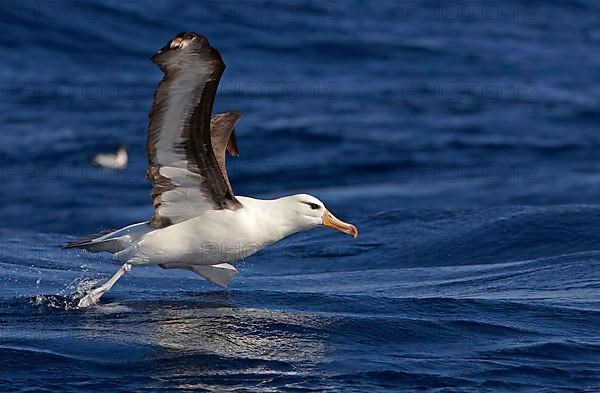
[[111, 241]]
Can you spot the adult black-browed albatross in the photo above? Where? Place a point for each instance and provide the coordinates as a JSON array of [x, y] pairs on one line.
[[198, 223]]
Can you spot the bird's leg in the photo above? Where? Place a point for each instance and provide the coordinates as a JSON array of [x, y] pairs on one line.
[[96, 294]]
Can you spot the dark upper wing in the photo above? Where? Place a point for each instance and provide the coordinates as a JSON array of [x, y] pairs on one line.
[[186, 175], [222, 133]]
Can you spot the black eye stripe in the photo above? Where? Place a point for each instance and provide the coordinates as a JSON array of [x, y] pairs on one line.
[[313, 206]]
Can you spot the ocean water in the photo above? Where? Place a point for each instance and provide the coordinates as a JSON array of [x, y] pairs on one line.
[[460, 137]]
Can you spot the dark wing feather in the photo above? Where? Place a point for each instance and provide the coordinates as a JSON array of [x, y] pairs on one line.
[[222, 134], [187, 175]]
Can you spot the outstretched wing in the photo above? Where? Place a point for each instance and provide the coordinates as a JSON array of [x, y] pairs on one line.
[[185, 165]]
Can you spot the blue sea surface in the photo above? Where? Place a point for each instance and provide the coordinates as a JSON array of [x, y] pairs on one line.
[[462, 138]]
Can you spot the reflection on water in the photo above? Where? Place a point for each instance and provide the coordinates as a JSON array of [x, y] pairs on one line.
[[241, 333], [195, 342]]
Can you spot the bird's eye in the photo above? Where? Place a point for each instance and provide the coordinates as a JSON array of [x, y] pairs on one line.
[[313, 206]]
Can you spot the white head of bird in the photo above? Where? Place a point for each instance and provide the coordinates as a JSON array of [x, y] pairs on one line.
[[303, 212]]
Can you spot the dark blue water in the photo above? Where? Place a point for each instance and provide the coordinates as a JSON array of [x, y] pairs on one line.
[[461, 138]]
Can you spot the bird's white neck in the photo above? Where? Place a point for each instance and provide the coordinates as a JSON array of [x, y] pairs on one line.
[[273, 219]]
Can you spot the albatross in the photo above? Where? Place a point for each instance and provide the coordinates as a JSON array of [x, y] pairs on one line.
[[198, 223]]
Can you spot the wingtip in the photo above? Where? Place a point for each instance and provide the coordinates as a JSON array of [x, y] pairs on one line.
[[237, 114]]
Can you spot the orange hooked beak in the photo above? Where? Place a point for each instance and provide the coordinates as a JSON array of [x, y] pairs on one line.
[[329, 220]]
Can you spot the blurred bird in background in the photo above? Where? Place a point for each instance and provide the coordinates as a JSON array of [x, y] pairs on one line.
[[116, 161]]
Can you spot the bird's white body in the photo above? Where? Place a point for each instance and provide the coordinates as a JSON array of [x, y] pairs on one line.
[[216, 236]]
